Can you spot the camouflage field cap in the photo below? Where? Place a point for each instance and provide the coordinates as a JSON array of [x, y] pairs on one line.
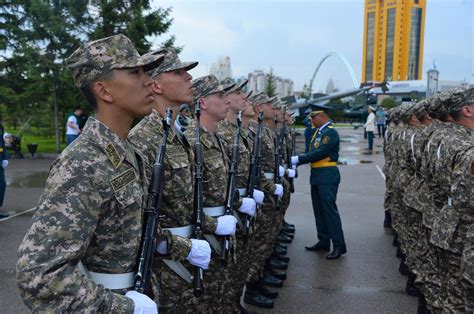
[[460, 97], [236, 87], [249, 94], [94, 59], [208, 85], [171, 62], [260, 98], [437, 104], [276, 104]]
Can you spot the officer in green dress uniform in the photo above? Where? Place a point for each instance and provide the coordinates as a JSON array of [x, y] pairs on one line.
[[322, 155]]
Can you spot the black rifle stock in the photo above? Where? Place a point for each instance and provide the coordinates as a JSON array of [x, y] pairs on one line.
[[151, 212], [254, 171], [198, 201], [231, 185]]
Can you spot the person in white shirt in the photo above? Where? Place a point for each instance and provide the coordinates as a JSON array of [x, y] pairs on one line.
[[370, 127], [72, 125]]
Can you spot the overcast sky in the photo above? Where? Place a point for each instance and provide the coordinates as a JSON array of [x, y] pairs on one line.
[[293, 36]]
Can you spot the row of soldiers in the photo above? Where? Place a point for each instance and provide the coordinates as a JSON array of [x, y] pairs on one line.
[[80, 252], [429, 168]]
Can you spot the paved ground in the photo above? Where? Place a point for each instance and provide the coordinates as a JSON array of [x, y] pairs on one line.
[[365, 280]]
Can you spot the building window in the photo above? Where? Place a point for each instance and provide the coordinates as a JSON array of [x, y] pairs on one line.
[[390, 44], [369, 53], [414, 47]]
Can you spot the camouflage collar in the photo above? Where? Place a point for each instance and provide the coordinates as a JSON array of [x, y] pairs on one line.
[[116, 149], [156, 119]]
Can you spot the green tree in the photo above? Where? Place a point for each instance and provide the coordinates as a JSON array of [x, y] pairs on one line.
[[38, 35], [270, 87], [136, 20], [388, 103]]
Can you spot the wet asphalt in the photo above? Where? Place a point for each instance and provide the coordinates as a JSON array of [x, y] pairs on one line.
[[365, 280]]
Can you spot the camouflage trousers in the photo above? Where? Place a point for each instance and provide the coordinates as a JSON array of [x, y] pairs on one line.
[[467, 270], [414, 245], [428, 279], [261, 245], [451, 297], [175, 295]]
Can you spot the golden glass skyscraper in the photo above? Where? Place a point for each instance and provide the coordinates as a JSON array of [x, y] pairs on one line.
[[393, 40]]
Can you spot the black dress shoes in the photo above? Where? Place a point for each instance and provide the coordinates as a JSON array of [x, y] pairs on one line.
[[387, 222], [271, 281], [288, 229], [318, 247], [287, 234], [277, 264], [283, 238], [254, 298], [280, 257], [277, 274], [279, 250], [263, 290], [337, 252]]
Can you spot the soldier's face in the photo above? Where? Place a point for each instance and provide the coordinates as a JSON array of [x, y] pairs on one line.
[[267, 111], [216, 107], [248, 111], [175, 86], [235, 101], [130, 91]]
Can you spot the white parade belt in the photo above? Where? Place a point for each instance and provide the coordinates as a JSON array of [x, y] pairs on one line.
[[185, 231], [214, 211], [109, 281], [269, 175], [242, 191]]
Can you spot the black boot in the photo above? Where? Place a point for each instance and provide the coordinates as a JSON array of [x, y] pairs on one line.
[[403, 269], [283, 238], [395, 241], [255, 298], [279, 250], [275, 273], [400, 253], [422, 306], [263, 290], [410, 288], [387, 222], [287, 234], [280, 257], [273, 263], [271, 281]]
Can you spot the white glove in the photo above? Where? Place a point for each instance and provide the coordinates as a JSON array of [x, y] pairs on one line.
[[226, 225], [258, 196], [291, 173], [200, 254], [162, 247], [279, 190], [5, 163], [281, 169], [248, 206], [143, 304], [294, 160]]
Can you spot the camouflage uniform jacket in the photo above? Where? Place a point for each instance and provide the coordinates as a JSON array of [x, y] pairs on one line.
[[90, 211], [457, 214], [227, 131], [435, 180], [266, 185], [215, 167], [177, 202]]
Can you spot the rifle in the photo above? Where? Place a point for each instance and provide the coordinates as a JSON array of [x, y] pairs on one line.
[[254, 171], [288, 154], [233, 170], [293, 149], [198, 200], [277, 153], [151, 212]]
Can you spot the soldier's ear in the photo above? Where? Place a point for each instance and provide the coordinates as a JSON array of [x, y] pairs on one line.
[[102, 92], [156, 88], [203, 101]]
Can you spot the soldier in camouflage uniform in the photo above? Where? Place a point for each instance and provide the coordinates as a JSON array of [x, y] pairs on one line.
[[451, 223], [261, 244], [88, 223], [172, 86], [237, 102], [210, 93]]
